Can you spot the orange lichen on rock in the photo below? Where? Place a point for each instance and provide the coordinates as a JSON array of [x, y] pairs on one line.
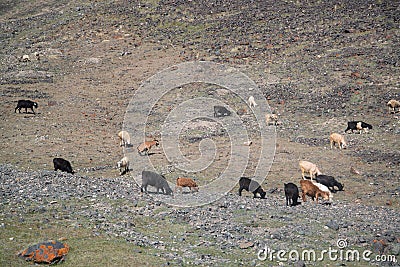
[[49, 252]]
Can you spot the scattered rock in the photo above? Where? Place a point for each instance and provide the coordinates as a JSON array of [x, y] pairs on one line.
[[49, 252], [222, 92], [300, 264], [93, 60], [272, 190], [52, 103], [361, 240], [228, 221], [333, 225], [395, 249], [312, 83], [248, 143], [354, 171], [378, 246], [25, 58], [245, 245]]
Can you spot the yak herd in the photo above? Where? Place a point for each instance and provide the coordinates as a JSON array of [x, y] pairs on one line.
[[315, 186]]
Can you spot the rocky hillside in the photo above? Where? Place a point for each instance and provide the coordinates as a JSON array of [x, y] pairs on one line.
[[317, 64]]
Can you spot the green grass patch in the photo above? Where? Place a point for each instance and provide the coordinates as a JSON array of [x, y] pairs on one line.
[[85, 248]]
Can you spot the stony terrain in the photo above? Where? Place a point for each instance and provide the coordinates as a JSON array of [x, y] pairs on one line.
[[318, 64], [115, 206]]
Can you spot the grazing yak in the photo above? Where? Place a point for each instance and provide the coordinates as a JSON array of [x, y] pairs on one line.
[[146, 146], [26, 104], [358, 126], [291, 194], [251, 101], [330, 182], [336, 138], [311, 168], [62, 165], [123, 165], [311, 190], [125, 139], [392, 105], [251, 186], [220, 111], [186, 182], [271, 118], [156, 180]]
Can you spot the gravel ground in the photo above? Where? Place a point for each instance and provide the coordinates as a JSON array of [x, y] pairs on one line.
[[231, 222], [319, 64]]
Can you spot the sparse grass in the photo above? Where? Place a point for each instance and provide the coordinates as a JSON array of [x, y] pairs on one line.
[[89, 245], [82, 29], [85, 249]]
